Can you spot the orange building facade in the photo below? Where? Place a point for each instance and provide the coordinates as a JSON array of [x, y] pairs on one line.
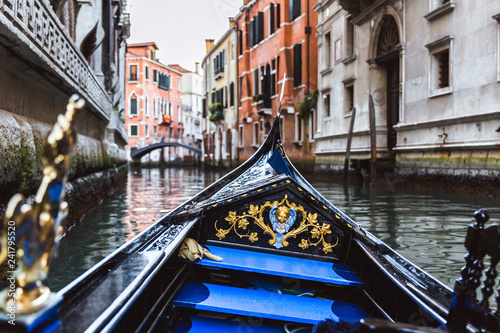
[[153, 93], [276, 38]]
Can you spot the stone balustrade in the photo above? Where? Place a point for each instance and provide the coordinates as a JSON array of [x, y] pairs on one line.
[[36, 34]]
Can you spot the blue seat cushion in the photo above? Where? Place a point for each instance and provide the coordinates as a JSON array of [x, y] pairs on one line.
[[264, 304], [277, 265], [194, 324]]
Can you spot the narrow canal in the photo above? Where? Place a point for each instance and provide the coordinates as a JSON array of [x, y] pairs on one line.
[[427, 228]]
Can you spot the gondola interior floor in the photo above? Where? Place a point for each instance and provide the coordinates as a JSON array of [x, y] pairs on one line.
[[265, 304], [265, 298]]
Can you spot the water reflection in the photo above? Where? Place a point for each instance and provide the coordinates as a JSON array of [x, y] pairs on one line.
[[426, 228]]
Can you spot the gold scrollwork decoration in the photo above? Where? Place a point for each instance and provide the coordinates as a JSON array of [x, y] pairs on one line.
[[282, 216], [30, 232]]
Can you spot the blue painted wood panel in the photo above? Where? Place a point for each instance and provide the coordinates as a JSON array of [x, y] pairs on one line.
[[211, 325], [292, 267], [264, 304]]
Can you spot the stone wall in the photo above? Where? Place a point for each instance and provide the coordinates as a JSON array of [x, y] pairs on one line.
[[22, 143]]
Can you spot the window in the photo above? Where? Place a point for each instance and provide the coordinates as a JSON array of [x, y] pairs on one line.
[[297, 65], [295, 10], [164, 81], [256, 134], [326, 105], [260, 27], [272, 23], [231, 94], [146, 110], [240, 42], [146, 131], [439, 8], [348, 98], [146, 73], [278, 16], [133, 105], [132, 73], [179, 116], [327, 50], [178, 84], [256, 81], [169, 108], [219, 64], [349, 37], [155, 131], [241, 88], [133, 131], [282, 129], [232, 52], [441, 69], [155, 75], [338, 51], [154, 108], [298, 128], [274, 83], [240, 136]]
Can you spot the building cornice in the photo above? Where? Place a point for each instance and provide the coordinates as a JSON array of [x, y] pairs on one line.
[[156, 63], [219, 42]]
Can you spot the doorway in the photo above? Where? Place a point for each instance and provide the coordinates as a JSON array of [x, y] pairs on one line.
[[388, 58]]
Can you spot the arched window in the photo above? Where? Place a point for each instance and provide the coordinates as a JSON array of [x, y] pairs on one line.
[[133, 105]]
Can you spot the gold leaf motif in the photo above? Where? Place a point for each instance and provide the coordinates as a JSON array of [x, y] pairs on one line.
[[312, 218], [220, 234], [253, 210], [303, 244], [327, 248], [315, 233], [243, 224], [253, 237], [325, 229], [231, 218]]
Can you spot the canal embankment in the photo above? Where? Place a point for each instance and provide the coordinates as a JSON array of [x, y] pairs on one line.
[[97, 166]]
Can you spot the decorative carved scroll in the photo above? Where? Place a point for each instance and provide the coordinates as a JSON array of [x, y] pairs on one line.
[[30, 232]]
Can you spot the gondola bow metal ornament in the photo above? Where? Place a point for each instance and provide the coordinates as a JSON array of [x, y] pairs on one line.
[[30, 232]]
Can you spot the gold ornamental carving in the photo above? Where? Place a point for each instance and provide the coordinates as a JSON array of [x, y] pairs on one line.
[[282, 216], [30, 232]]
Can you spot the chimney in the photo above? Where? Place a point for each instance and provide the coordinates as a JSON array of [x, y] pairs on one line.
[[209, 43], [197, 67]]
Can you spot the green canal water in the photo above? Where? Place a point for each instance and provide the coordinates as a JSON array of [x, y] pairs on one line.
[[425, 227]]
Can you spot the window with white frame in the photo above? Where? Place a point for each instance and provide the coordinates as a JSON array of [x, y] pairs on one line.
[[326, 104], [133, 105], [440, 66], [256, 134], [298, 128], [132, 77], [179, 119], [348, 97], [178, 84], [338, 50], [146, 131], [146, 72], [155, 131], [241, 137], [146, 104], [133, 131], [312, 124], [327, 50], [349, 37], [154, 108], [439, 8]]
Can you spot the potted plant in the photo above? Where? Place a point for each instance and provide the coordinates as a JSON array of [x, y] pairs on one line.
[[216, 111]]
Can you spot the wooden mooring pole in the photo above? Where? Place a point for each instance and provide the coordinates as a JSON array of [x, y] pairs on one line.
[[348, 147]]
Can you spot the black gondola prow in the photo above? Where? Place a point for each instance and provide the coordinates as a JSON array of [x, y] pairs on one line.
[[465, 307]]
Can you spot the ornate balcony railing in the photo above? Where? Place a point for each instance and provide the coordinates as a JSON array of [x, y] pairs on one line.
[[40, 38]]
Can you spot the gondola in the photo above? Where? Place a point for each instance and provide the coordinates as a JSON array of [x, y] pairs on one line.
[[289, 260]]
